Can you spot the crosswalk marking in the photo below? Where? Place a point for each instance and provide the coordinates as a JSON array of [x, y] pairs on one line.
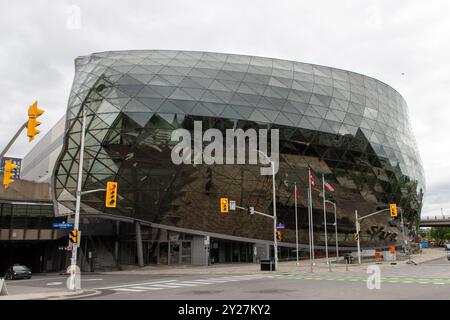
[[178, 284], [128, 290], [164, 286]]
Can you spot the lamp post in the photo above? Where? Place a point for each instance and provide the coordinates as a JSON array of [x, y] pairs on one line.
[[275, 243], [335, 229]]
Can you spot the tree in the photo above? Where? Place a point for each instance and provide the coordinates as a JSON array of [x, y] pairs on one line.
[[440, 234]]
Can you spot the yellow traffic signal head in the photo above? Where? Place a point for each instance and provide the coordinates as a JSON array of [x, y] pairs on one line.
[[224, 205], [33, 113], [74, 236], [111, 194], [7, 173], [393, 209]]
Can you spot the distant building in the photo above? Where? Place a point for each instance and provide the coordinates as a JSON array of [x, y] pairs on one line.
[[350, 127]]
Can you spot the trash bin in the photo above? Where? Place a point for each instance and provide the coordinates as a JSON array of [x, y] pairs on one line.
[[267, 265]]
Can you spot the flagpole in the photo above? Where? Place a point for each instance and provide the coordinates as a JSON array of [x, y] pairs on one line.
[[325, 221], [311, 215], [296, 221], [309, 234]]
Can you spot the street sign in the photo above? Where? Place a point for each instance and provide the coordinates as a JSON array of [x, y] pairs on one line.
[[232, 205], [280, 226], [355, 237], [62, 225]]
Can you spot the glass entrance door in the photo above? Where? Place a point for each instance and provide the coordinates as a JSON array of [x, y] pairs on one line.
[[163, 253], [174, 252]]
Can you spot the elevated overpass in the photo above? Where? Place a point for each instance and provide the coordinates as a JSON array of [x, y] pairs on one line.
[[435, 221]]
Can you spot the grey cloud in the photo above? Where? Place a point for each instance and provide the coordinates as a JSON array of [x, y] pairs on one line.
[[379, 38]]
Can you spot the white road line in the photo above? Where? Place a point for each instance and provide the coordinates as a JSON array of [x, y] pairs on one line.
[[91, 279], [54, 283], [146, 288], [165, 286], [196, 282], [128, 290], [135, 284], [186, 284]]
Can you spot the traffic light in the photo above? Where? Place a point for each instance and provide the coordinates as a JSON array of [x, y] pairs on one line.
[[111, 194], [393, 209], [33, 113], [7, 173], [279, 236], [224, 205], [74, 236], [251, 210]]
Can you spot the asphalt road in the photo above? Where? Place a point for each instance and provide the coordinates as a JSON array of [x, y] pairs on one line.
[[426, 281]]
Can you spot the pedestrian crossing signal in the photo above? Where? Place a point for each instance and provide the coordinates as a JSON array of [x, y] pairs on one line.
[[224, 205], [74, 236], [393, 209], [355, 237], [111, 194]]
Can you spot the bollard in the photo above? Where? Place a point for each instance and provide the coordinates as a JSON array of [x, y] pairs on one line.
[[346, 264]]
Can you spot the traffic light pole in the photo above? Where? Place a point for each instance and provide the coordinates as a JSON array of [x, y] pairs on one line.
[[357, 225], [78, 201], [11, 142]]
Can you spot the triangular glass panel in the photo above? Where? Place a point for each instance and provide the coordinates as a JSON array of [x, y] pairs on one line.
[[141, 118], [184, 105], [258, 117], [244, 111], [271, 115], [230, 113], [135, 106], [151, 103], [201, 110], [130, 90], [283, 120], [168, 107]]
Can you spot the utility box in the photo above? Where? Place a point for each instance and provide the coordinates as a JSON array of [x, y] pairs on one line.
[[267, 265]]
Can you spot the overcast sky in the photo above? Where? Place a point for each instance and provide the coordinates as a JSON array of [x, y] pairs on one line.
[[403, 43]]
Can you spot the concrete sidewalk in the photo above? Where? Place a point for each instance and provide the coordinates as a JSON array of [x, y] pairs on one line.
[[48, 295], [283, 267]]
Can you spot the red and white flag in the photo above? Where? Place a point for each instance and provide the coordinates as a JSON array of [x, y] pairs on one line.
[[328, 186], [312, 179]]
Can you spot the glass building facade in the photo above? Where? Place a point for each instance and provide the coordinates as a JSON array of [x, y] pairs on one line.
[[352, 128]]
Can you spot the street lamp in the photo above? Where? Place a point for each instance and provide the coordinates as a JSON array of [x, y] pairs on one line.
[[275, 244], [335, 229]]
